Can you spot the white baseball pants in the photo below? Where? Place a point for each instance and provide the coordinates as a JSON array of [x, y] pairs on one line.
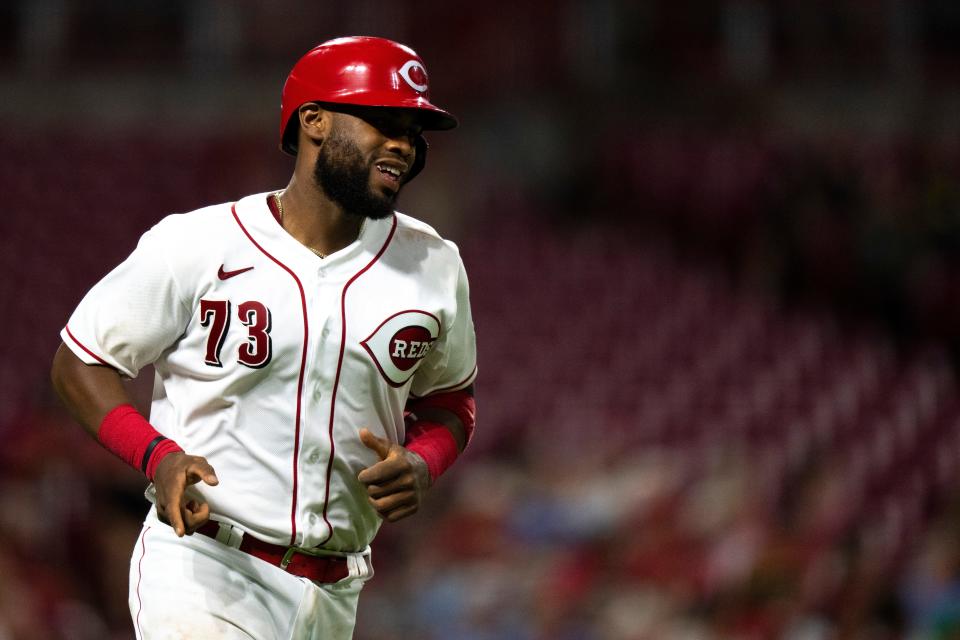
[[196, 587]]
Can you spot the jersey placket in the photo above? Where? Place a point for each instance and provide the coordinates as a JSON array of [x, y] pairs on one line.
[[316, 447], [335, 278]]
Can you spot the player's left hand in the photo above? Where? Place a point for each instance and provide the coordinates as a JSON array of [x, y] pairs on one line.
[[395, 485]]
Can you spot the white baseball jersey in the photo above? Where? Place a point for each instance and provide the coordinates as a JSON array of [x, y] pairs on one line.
[[269, 359]]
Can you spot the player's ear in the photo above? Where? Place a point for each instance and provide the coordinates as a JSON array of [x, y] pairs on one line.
[[314, 122]]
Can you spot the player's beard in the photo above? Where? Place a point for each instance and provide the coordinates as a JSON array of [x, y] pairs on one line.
[[343, 175]]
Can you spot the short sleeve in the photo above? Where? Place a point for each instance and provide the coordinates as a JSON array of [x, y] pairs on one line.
[[133, 314], [452, 362]]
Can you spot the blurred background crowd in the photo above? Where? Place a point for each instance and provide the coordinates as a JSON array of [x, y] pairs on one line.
[[713, 249]]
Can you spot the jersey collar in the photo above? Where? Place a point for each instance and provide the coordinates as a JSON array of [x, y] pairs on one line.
[[255, 215]]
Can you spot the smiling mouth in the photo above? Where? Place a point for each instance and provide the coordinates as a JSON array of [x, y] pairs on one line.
[[389, 171], [391, 178]]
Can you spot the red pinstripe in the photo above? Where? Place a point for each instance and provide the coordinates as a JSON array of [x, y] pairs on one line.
[[336, 380], [303, 364], [143, 553]]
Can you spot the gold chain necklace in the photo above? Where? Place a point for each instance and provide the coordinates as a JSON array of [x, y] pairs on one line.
[[276, 198]]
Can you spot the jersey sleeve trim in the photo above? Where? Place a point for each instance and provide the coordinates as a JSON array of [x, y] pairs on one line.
[[463, 384], [84, 347]]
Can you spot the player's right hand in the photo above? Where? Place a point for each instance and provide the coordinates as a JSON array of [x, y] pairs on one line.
[[174, 474]]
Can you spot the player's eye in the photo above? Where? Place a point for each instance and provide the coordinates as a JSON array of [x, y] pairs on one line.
[[393, 127], [397, 129]]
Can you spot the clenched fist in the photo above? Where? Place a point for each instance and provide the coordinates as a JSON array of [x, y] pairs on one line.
[[397, 483]]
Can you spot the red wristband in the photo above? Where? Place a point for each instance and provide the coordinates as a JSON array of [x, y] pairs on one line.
[[435, 444], [128, 435], [459, 403], [163, 448]]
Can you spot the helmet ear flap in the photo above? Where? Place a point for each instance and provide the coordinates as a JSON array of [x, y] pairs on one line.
[[418, 163], [288, 141]]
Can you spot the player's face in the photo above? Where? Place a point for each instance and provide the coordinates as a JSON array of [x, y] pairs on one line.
[[364, 160]]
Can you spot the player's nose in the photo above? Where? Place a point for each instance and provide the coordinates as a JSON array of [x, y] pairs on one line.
[[401, 144]]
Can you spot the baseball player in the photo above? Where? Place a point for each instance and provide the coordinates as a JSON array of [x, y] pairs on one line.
[[314, 354]]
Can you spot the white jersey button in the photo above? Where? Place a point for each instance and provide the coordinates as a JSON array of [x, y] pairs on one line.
[[314, 457]]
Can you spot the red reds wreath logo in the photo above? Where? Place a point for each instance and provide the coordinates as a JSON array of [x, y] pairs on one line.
[[401, 342]]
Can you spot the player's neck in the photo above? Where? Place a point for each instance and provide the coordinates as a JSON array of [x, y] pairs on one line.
[[316, 221]]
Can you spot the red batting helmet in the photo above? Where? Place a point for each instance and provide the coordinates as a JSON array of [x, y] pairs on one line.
[[362, 71]]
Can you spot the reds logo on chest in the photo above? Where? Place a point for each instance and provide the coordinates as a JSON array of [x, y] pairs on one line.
[[400, 344]]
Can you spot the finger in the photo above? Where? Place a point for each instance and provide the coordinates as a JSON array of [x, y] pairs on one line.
[[196, 507], [195, 515], [393, 501], [403, 482], [382, 472], [380, 446], [199, 469], [171, 508], [401, 513]]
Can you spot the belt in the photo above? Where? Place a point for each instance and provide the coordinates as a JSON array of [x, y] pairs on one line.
[[315, 565]]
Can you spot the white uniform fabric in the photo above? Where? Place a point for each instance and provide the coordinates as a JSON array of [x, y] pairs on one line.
[[269, 360], [193, 587]]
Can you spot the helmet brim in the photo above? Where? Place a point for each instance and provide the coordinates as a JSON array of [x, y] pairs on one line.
[[428, 116], [437, 120]]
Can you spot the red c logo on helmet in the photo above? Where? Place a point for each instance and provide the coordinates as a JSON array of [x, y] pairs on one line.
[[414, 75]]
